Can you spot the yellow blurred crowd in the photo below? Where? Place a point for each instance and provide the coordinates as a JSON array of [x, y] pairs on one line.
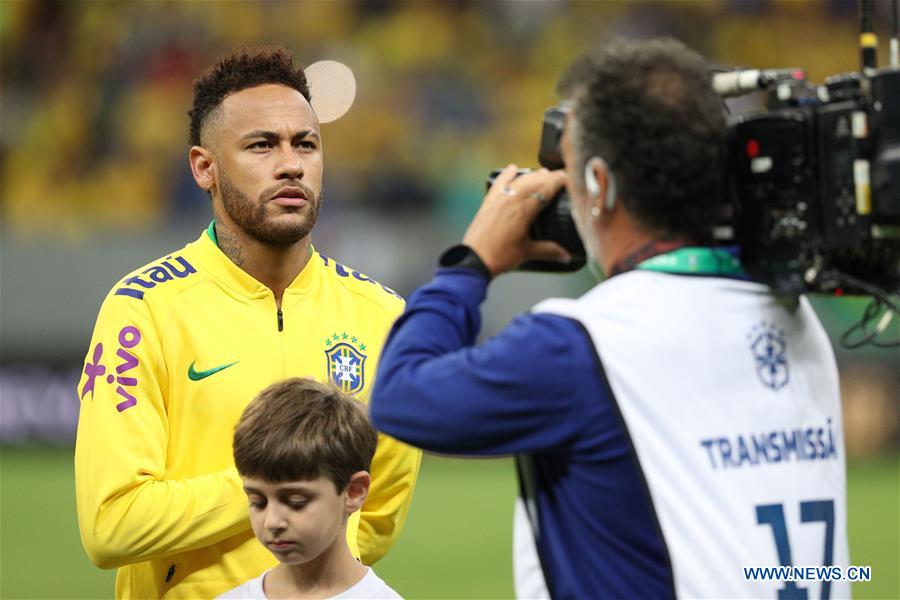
[[95, 94]]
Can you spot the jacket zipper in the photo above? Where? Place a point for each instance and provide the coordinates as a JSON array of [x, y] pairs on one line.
[[282, 342]]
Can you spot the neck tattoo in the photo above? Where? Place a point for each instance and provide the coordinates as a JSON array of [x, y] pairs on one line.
[[229, 244]]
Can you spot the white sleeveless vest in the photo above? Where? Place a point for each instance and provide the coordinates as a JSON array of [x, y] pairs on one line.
[[731, 401]]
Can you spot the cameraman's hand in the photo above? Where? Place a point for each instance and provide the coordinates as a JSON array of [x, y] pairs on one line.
[[499, 231]]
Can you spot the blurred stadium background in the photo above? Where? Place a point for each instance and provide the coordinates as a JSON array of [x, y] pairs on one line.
[[95, 182]]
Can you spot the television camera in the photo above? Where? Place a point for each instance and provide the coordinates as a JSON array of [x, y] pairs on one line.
[[812, 186]]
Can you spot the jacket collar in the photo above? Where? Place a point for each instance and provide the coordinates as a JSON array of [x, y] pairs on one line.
[[232, 276]]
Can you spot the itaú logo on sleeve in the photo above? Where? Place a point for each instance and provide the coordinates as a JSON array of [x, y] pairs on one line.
[[163, 271]]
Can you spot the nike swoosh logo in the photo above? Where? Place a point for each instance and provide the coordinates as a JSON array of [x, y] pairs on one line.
[[195, 375]]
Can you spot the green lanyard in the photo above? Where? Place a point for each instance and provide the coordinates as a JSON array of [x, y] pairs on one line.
[[695, 261]]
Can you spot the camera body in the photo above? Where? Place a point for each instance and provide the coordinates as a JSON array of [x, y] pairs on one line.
[[813, 184], [555, 221]]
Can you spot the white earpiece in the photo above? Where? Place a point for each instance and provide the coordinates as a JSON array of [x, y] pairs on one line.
[[590, 179], [593, 186]]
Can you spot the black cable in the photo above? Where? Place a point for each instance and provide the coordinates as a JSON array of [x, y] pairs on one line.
[[880, 299], [872, 312], [845, 343]]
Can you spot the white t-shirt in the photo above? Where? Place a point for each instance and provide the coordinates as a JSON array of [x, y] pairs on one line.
[[370, 587]]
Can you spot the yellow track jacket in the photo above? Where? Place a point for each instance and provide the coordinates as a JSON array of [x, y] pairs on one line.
[[180, 347]]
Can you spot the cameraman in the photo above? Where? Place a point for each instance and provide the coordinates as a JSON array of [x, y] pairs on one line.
[[673, 425]]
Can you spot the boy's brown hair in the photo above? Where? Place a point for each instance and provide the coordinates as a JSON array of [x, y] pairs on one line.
[[300, 429]]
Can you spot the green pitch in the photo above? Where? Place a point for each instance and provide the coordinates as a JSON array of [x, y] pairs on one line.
[[456, 543]]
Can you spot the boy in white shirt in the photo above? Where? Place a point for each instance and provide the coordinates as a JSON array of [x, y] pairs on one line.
[[303, 450]]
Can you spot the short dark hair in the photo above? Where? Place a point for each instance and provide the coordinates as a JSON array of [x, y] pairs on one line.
[[246, 68], [300, 429], [648, 109]]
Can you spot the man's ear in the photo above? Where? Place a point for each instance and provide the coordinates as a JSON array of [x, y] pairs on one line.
[[357, 490], [597, 174], [202, 167]]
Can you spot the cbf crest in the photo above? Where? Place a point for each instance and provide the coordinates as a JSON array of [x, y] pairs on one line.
[[346, 362], [767, 342]]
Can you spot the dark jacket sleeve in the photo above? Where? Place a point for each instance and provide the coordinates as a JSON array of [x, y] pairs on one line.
[[515, 392]]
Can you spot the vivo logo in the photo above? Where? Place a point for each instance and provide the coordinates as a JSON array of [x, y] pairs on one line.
[[129, 337]]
